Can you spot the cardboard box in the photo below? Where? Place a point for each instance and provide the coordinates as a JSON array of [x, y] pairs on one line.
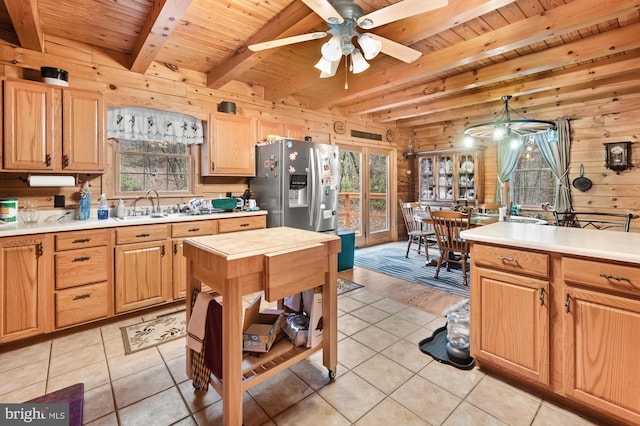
[[260, 328], [315, 320]]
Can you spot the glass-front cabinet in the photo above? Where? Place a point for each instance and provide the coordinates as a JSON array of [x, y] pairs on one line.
[[450, 176]]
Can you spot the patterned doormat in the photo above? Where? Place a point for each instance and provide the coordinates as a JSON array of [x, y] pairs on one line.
[[168, 327], [162, 329]]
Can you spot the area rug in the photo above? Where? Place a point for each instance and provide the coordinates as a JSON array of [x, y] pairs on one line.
[[389, 259], [162, 329]]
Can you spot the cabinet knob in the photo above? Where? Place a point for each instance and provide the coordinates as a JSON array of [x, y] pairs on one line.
[[48, 160], [65, 161]]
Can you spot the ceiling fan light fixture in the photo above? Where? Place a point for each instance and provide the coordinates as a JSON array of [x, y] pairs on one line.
[[370, 46], [333, 69], [358, 62], [324, 65], [332, 50]]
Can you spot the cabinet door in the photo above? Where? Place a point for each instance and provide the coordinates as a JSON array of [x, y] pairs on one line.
[[230, 148], [269, 128], [83, 135], [142, 275], [31, 136], [444, 175], [428, 190], [294, 132], [24, 290], [602, 352], [510, 323]]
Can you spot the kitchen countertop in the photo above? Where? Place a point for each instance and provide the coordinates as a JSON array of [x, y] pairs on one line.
[[48, 222], [611, 245]]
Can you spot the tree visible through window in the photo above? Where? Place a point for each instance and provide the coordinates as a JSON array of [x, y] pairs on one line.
[[144, 165], [532, 182]]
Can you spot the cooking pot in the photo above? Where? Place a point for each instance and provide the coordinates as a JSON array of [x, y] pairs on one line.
[[582, 183]]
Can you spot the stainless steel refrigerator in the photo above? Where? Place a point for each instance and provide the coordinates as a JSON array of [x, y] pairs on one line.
[[297, 183]]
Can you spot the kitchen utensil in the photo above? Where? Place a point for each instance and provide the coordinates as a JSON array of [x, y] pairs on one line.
[[582, 183]]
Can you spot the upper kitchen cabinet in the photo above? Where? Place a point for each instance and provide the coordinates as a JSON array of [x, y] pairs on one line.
[[230, 146], [268, 128], [450, 176], [48, 128]]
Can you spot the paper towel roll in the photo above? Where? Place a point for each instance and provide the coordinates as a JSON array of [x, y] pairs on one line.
[[52, 181]]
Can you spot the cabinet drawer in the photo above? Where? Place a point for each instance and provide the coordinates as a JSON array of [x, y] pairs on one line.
[[192, 229], [81, 239], [141, 234], [602, 275], [241, 224], [81, 304], [512, 260], [78, 267]]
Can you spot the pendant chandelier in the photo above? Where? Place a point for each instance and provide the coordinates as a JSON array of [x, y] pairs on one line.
[[505, 127]]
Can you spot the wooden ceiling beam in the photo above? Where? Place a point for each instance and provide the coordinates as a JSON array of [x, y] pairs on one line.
[[296, 19], [26, 21], [162, 20], [555, 22], [478, 111], [533, 64]]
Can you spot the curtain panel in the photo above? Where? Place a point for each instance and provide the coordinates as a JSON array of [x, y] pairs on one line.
[[556, 154], [143, 124], [508, 156]]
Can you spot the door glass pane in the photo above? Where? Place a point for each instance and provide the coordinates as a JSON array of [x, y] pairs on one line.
[[378, 195], [349, 206]]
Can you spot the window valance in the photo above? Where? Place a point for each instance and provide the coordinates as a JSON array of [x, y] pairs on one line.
[[153, 125]]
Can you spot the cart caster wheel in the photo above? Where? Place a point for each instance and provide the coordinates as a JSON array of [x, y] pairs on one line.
[[332, 374]]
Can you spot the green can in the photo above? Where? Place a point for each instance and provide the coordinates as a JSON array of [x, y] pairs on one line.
[[8, 210]]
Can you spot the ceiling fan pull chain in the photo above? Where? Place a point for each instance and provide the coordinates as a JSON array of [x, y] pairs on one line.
[[346, 72]]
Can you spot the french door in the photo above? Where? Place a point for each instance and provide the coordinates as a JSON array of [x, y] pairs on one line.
[[367, 191]]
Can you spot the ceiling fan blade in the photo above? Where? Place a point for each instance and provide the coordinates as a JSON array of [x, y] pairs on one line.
[[285, 41], [397, 11], [325, 10], [397, 50]]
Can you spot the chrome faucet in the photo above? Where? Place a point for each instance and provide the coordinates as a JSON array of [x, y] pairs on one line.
[[156, 208], [138, 198]]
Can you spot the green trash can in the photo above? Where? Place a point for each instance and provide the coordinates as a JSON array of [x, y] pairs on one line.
[[348, 244]]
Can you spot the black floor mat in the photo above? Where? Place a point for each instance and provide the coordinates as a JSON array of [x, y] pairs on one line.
[[436, 347]]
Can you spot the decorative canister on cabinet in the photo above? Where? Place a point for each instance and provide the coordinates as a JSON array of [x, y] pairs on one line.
[[8, 210], [85, 208]]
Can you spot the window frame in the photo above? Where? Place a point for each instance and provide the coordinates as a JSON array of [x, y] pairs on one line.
[[553, 190], [191, 161]]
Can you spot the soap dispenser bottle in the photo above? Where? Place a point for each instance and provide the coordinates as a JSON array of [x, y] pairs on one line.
[[103, 208], [120, 211]]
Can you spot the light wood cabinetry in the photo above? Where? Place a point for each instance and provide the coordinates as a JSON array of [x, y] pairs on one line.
[[83, 277], [48, 128], [450, 176], [242, 224], [230, 146], [564, 323], [25, 286], [142, 267], [179, 231], [602, 320], [267, 128]]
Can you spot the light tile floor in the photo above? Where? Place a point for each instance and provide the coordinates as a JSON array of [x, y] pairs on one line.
[[382, 379]]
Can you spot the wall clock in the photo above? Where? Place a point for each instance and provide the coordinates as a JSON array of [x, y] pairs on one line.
[[339, 127], [617, 156], [390, 135]]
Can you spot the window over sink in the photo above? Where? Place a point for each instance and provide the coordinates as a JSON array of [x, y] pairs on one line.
[[143, 165]]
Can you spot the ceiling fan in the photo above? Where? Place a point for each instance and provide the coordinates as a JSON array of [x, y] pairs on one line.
[[343, 17]]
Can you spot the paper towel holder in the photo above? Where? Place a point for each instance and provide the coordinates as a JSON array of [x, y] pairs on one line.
[[27, 180]]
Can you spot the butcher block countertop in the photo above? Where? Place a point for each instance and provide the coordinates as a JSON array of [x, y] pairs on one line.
[[48, 222], [611, 245]]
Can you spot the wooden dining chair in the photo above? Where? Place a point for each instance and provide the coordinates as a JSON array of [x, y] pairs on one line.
[[415, 229], [453, 248], [489, 208]]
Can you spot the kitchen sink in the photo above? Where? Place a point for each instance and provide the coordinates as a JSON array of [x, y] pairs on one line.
[[522, 219]]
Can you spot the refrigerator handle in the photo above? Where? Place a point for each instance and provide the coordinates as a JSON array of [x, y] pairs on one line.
[[311, 187]]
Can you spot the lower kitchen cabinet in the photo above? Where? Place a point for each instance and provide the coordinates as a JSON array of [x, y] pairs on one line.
[[25, 286], [565, 324], [179, 231], [83, 263], [142, 269]]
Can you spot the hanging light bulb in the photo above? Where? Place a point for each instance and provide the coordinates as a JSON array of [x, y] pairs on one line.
[[358, 62], [468, 141], [332, 50], [514, 143], [498, 132], [370, 46], [324, 65]]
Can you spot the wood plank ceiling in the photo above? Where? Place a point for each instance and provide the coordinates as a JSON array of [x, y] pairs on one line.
[[543, 52]]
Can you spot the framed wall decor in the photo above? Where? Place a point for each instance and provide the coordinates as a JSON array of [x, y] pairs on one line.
[[618, 156]]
